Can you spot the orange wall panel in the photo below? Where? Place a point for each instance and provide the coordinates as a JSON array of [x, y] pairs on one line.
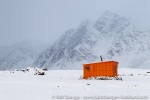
[[109, 68]]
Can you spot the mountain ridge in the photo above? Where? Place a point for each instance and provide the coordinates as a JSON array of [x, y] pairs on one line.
[[21, 55], [108, 36], [112, 36]]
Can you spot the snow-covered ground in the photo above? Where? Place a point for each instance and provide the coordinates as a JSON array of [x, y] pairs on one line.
[[65, 85]]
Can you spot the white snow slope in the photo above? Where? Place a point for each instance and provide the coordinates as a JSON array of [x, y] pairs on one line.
[[20, 55], [62, 84], [112, 36]]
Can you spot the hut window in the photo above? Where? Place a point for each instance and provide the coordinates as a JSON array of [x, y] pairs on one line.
[[87, 68]]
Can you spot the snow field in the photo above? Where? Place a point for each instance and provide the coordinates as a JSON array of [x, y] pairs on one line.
[[64, 84]]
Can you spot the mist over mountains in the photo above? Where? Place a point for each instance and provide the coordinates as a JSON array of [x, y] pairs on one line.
[[112, 36], [20, 55]]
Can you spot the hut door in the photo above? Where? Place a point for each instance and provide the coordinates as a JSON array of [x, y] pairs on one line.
[[115, 70], [87, 71]]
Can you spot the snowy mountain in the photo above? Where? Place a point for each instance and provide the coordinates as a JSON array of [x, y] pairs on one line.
[[132, 49], [20, 55], [112, 36]]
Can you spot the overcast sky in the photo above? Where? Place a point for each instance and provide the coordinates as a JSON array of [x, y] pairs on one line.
[[46, 20]]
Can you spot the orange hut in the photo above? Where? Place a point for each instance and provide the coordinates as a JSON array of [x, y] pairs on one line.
[[109, 69]]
